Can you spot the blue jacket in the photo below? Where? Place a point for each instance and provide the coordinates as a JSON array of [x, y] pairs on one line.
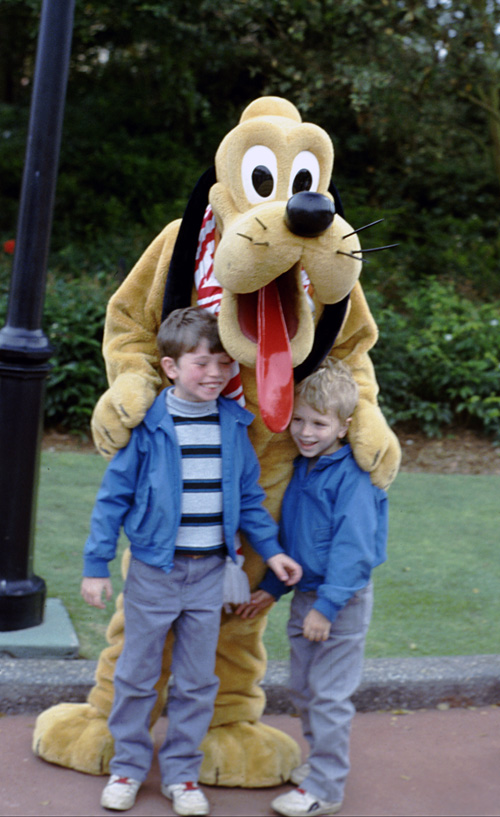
[[334, 523], [142, 488]]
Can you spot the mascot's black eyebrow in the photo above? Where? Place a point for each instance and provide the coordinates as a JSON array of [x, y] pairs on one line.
[[180, 277]]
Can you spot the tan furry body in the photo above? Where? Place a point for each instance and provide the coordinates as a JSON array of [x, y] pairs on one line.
[[255, 247]]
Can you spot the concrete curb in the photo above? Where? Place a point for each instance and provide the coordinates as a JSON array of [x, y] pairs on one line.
[[32, 685], [408, 683]]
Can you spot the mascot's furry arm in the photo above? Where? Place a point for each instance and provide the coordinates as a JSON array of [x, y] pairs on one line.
[[132, 323], [287, 265]]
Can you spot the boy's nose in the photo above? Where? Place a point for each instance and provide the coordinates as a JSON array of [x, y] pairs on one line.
[[215, 369]]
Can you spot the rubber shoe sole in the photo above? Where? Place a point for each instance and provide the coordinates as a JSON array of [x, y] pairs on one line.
[[187, 799], [300, 803], [119, 793]]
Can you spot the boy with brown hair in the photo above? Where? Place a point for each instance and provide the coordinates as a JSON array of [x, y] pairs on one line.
[[182, 487]]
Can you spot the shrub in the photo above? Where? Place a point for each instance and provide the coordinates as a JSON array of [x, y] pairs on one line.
[[73, 322], [438, 360]]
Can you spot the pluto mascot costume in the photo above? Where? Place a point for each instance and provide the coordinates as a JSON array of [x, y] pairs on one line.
[[264, 244]]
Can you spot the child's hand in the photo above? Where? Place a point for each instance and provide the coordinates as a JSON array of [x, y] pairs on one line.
[[259, 600], [287, 569], [92, 590], [316, 626]]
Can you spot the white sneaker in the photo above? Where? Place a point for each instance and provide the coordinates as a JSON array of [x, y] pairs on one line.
[[299, 803], [120, 793], [299, 774], [187, 799]]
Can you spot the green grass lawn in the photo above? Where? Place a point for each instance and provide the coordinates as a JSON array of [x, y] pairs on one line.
[[437, 594]]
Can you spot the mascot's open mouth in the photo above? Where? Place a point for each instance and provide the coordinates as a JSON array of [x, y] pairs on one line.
[[248, 306], [268, 317]]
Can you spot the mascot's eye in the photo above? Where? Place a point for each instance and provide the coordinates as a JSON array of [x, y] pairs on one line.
[[263, 181], [302, 181], [305, 173], [259, 174]]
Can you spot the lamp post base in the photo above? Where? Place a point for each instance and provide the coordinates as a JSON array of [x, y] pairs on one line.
[[21, 603]]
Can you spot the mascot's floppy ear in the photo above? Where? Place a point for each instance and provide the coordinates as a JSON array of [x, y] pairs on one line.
[[324, 337], [329, 323], [336, 199], [180, 277]]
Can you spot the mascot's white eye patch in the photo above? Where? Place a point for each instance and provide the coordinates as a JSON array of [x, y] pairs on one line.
[[259, 174], [305, 173]]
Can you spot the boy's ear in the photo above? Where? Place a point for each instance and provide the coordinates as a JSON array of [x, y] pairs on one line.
[[169, 366], [345, 428]]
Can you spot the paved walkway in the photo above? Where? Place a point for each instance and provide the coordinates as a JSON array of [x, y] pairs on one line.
[[424, 762]]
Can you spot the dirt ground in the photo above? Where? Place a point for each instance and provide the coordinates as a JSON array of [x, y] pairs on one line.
[[459, 451]]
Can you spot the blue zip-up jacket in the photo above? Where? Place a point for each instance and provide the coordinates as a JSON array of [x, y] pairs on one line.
[[142, 489], [334, 523]]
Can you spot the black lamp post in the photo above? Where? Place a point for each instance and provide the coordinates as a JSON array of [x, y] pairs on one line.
[[24, 349]]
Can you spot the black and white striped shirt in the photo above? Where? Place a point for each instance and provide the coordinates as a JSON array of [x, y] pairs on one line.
[[198, 432]]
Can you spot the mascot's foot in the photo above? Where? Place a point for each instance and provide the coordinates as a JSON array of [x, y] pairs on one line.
[[250, 755], [76, 736]]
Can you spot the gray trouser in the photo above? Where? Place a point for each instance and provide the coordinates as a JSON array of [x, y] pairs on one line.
[[324, 675], [188, 600]]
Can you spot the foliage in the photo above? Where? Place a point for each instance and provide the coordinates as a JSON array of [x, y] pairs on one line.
[[431, 246], [74, 320], [409, 93], [438, 359]]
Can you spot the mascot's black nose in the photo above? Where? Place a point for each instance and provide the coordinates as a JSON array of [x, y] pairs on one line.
[[309, 214]]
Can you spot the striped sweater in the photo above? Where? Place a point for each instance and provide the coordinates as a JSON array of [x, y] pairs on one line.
[[198, 432]]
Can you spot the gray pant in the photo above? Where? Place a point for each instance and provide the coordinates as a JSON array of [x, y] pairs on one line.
[[188, 600], [324, 675]]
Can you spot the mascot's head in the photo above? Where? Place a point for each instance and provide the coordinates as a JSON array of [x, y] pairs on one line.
[[278, 225]]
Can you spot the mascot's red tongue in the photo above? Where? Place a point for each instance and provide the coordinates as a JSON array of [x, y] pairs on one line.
[[274, 361]]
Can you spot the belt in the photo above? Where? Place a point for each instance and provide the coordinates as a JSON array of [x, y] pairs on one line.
[[218, 552]]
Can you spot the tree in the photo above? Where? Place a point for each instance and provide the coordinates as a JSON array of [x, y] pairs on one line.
[[405, 90], [468, 37]]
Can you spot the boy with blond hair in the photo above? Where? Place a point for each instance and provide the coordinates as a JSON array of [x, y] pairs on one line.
[[334, 523]]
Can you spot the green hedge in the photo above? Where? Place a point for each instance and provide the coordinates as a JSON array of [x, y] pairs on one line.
[[73, 321], [437, 359]]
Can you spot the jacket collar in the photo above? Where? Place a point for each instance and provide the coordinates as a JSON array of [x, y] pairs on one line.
[[326, 459], [158, 415]]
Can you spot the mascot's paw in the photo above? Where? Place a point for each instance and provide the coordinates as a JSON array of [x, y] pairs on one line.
[[385, 472], [376, 448], [74, 735], [120, 408], [250, 755]]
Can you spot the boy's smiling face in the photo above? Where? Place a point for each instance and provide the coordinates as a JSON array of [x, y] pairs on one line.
[[314, 433], [200, 375]]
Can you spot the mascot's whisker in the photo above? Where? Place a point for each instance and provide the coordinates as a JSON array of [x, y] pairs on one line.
[[354, 253], [350, 255], [256, 243], [261, 223], [376, 249], [371, 224]]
